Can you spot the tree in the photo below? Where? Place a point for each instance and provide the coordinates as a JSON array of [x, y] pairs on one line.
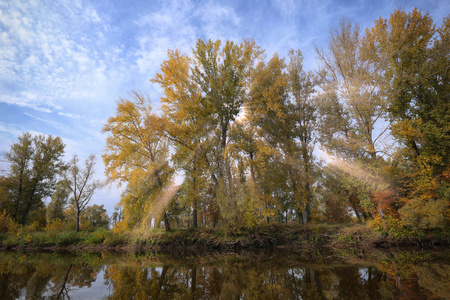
[[303, 107], [137, 153], [94, 216], [281, 110], [56, 207], [353, 109], [202, 97], [34, 165], [81, 184], [416, 80]]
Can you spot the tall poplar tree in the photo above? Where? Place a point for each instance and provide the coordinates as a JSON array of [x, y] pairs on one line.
[[202, 97], [137, 154], [414, 54]]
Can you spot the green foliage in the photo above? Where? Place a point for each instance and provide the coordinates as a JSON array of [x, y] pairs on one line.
[[55, 209], [34, 166], [422, 213], [5, 222], [67, 238], [97, 237], [114, 239], [56, 225]]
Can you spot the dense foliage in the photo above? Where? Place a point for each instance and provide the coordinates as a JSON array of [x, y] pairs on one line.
[[237, 139], [243, 140]]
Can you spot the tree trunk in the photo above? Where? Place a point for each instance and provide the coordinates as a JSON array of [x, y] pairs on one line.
[[63, 286], [28, 207], [78, 220], [194, 214], [194, 200], [193, 282], [304, 217], [166, 222]]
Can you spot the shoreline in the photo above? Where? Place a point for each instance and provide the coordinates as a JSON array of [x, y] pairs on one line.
[[271, 238]]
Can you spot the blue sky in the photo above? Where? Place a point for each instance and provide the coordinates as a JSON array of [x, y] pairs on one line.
[[63, 64]]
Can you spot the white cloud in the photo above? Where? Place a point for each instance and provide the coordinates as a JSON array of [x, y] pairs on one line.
[[69, 115], [48, 50]]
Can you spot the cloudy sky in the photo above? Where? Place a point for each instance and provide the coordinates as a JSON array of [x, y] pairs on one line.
[[63, 64]]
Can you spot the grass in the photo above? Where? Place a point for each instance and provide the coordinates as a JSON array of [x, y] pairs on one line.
[[100, 236]]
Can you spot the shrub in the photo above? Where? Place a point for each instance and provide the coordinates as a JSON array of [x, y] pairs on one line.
[[56, 225], [114, 239], [98, 236], [426, 214], [67, 238], [13, 227], [5, 219], [34, 226]]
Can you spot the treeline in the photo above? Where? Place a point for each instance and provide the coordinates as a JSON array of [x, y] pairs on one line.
[[37, 172], [236, 142], [240, 130]]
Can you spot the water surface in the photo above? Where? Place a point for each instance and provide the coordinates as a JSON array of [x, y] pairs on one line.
[[403, 275]]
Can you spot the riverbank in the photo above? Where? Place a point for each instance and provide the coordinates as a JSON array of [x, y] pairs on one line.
[[289, 237]]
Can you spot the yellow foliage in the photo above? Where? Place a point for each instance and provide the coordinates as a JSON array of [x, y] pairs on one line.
[[120, 227], [424, 213], [56, 225], [5, 220]]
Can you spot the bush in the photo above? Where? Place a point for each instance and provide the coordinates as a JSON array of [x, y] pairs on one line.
[[35, 226], [14, 227], [5, 219], [114, 239], [97, 237], [426, 214], [67, 238], [56, 225]]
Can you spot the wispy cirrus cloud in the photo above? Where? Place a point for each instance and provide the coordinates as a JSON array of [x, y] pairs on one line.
[[49, 62]]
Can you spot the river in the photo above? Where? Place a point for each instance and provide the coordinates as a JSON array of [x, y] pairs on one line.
[[250, 275]]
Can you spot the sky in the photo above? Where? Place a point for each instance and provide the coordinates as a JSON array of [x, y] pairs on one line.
[[64, 64]]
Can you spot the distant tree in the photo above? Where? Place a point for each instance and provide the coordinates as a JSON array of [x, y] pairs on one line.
[[81, 184], [58, 202], [94, 217], [35, 163]]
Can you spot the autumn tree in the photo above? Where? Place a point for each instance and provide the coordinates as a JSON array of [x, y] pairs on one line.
[[35, 162], [81, 184], [353, 106], [416, 80], [137, 154], [187, 123], [202, 97], [283, 115], [302, 86]]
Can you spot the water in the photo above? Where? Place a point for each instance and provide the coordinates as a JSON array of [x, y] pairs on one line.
[[400, 275]]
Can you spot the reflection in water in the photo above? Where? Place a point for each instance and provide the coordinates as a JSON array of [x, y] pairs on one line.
[[130, 276]]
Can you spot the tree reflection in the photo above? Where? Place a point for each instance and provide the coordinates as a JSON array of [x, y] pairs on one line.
[[403, 276], [42, 279], [237, 282], [407, 276]]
